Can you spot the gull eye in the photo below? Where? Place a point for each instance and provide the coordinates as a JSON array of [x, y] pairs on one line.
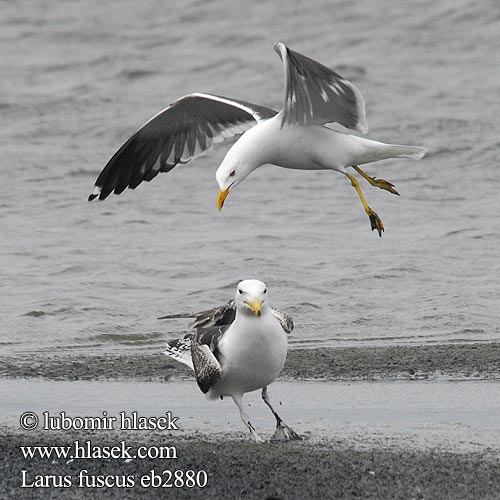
[[240, 291], [232, 173], [265, 290]]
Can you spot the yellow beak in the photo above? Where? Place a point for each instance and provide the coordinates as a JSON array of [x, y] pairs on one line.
[[255, 306], [221, 198]]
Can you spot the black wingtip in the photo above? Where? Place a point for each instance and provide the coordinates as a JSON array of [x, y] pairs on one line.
[[96, 193]]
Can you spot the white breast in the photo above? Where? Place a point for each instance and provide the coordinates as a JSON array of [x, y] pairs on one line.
[[253, 352]]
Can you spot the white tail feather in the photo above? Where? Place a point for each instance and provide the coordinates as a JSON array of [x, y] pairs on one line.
[[397, 151], [180, 350], [363, 150]]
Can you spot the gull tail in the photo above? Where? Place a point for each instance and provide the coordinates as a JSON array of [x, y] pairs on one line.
[[180, 350], [366, 151], [397, 151]]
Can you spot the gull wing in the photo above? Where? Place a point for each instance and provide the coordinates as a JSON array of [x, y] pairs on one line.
[[284, 320], [224, 315], [314, 94], [218, 316], [200, 352], [182, 131], [205, 353]]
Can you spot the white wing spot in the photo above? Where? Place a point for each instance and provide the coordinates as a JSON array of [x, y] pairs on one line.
[[336, 87], [156, 165], [186, 156]]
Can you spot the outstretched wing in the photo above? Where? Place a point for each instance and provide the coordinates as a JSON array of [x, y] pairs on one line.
[[224, 315], [218, 316], [314, 94], [182, 131]]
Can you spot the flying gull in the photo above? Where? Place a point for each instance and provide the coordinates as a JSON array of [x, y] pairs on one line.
[[238, 348], [295, 137]]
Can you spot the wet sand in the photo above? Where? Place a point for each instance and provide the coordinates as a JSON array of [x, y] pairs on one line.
[[322, 466], [398, 362]]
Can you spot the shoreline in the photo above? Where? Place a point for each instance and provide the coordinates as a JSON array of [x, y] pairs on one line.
[[451, 361], [356, 456]]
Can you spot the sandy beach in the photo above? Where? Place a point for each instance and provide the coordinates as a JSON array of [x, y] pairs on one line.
[[377, 455], [242, 469]]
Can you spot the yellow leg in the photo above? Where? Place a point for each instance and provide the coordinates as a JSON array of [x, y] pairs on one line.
[[380, 183], [375, 221]]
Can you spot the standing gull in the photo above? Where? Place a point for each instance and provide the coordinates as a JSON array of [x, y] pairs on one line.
[[295, 137], [238, 348]]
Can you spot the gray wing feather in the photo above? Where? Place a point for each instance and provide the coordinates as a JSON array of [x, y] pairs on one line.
[[284, 319], [206, 367], [218, 316], [205, 354], [182, 131], [314, 94], [211, 337], [200, 351], [224, 315]]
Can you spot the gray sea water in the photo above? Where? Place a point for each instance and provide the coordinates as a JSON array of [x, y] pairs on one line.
[[79, 77]]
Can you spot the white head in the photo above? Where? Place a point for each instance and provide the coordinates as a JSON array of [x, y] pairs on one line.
[[251, 297], [233, 170]]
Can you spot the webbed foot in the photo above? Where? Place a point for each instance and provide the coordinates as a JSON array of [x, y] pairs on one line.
[[380, 183], [375, 221], [383, 184], [285, 433]]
